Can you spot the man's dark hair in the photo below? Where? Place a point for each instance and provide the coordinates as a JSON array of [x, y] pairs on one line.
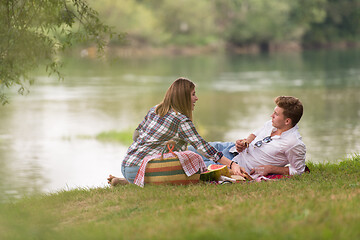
[[292, 106]]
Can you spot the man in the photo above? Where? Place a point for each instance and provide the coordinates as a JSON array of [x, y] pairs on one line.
[[276, 148]]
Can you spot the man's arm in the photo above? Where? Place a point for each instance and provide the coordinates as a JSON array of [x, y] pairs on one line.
[[241, 144], [250, 138], [269, 169], [296, 157]]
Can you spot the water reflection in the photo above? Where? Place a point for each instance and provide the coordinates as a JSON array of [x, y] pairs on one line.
[[40, 148]]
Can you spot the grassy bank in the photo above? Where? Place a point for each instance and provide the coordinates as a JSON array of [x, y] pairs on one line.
[[124, 137], [323, 204]]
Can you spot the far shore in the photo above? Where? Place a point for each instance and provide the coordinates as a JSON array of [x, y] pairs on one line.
[[144, 51]]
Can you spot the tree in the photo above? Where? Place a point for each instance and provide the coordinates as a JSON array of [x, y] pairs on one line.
[[33, 32], [263, 22], [340, 25]]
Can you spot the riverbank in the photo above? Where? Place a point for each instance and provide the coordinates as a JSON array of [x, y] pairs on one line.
[[320, 205], [145, 51]]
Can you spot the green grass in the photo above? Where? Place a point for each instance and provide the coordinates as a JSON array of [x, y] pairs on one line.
[[323, 204], [123, 137]]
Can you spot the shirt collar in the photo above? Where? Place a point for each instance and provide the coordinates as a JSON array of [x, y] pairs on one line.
[[291, 130]]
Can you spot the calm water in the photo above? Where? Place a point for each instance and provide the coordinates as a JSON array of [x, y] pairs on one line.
[[42, 148]]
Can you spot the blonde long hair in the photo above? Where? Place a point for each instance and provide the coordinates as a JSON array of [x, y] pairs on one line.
[[178, 98]]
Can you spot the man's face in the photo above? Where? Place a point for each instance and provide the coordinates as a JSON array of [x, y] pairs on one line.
[[278, 119]]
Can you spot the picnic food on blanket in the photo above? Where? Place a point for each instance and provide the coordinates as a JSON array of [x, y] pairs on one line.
[[214, 173], [238, 178], [247, 176], [212, 167], [227, 179]]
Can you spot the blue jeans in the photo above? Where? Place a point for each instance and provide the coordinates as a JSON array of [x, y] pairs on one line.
[[129, 173], [223, 147]]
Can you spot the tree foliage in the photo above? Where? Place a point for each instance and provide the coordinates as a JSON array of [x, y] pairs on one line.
[[240, 22], [262, 21], [33, 32], [342, 23], [136, 19], [161, 22]]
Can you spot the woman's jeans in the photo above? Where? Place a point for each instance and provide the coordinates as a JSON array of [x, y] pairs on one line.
[[129, 173], [223, 147]]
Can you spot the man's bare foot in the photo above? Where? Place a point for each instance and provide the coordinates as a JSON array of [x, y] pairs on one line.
[[113, 181]]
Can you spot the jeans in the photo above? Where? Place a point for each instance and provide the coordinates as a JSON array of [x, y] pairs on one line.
[[129, 173], [223, 147]]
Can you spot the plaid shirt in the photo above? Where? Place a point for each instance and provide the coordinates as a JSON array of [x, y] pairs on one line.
[[155, 131]]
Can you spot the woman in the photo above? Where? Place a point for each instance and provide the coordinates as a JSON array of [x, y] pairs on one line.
[[172, 118]]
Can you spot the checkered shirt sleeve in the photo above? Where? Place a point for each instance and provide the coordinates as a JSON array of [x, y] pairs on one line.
[[187, 131]]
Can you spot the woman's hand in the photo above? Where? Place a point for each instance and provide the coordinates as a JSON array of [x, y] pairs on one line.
[[237, 170]]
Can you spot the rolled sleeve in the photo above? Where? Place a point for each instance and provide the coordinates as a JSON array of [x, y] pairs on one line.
[[296, 157]]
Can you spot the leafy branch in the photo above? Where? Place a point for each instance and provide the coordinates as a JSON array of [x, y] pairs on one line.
[[32, 33]]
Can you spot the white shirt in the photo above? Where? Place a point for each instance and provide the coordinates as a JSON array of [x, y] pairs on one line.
[[285, 149]]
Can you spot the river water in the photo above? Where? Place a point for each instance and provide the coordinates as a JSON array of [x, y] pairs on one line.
[[42, 143]]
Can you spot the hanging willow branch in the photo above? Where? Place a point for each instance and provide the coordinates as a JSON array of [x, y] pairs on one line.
[[33, 32]]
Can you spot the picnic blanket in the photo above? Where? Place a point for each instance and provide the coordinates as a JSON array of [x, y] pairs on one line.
[[270, 177]]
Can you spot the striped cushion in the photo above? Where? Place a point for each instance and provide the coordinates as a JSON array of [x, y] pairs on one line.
[[168, 171]]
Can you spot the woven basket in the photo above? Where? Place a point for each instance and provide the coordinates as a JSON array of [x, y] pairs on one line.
[[168, 171]]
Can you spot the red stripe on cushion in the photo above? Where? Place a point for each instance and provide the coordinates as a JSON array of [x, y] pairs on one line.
[[164, 169]]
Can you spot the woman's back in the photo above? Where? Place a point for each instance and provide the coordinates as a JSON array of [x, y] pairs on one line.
[[154, 132]]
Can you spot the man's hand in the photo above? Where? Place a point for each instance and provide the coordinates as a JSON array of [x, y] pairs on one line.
[[262, 170], [241, 144]]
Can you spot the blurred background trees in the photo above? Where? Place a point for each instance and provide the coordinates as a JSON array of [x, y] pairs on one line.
[[261, 23], [341, 24]]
